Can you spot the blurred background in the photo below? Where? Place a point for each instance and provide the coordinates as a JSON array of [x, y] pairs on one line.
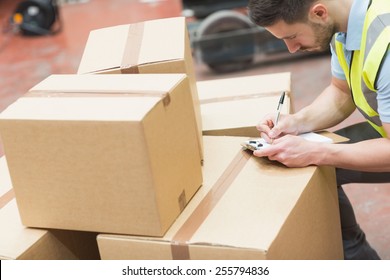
[[35, 43]]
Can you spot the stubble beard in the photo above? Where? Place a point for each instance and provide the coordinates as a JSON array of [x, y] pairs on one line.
[[323, 37]]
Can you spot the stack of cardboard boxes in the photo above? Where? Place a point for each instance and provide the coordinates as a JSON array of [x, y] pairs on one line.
[[148, 162]]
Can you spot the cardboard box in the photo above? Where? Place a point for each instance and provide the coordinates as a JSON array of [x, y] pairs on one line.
[[247, 208], [234, 106], [154, 46], [19, 242], [103, 153]]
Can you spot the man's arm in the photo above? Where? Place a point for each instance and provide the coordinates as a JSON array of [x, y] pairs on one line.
[[331, 107], [293, 151], [370, 155]]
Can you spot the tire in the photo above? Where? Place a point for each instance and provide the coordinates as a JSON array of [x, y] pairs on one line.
[[38, 16], [225, 41]]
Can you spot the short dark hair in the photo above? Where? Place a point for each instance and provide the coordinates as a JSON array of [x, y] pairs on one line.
[[268, 12]]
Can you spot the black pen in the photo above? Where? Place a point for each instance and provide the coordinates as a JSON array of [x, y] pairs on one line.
[[281, 101]]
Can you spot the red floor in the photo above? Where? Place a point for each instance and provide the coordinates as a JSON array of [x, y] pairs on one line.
[[25, 61]]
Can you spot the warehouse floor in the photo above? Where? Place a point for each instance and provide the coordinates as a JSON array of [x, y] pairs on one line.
[[25, 61]]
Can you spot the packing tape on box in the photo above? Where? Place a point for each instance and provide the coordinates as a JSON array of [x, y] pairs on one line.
[[129, 64], [179, 245], [182, 200], [6, 198], [241, 97], [165, 97]]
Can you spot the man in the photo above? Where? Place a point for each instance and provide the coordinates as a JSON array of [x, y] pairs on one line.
[[360, 79]]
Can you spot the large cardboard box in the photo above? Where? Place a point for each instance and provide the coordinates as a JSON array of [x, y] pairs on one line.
[[103, 153], [20, 242], [234, 106], [154, 46], [247, 208]]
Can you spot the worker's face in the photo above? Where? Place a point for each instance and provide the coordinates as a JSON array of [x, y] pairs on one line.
[[304, 36]]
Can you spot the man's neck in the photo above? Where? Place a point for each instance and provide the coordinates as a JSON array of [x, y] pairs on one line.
[[340, 9]]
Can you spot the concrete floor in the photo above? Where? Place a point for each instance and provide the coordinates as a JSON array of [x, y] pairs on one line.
[[25, 61]]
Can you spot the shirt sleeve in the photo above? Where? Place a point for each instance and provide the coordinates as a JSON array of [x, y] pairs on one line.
[[337, 71], [383, 90]]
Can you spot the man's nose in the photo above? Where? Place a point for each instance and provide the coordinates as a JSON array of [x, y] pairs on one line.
[[292, 47]]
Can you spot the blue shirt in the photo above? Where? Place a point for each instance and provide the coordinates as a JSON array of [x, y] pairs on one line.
[[351, 41]]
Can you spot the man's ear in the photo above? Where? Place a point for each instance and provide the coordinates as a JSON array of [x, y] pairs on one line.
[[318, 13]]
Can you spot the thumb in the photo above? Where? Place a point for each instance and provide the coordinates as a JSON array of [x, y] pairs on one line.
[[274, 133]]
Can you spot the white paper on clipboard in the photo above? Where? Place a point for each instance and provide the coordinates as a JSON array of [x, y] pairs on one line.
[[259, 143]]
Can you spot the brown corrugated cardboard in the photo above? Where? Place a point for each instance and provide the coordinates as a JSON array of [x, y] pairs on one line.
[[154, 46], [103, 153], [247, 208], [234, 106], [245, 86], [19, 242]]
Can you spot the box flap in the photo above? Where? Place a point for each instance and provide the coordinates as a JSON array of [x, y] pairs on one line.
[[68, 97], [104, 49], [127, 46], [113, 83], [239, 113], [256, 85], [79, 108], [163, 40]]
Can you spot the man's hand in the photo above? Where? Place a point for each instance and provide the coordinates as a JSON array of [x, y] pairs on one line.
[[269, 132], [292, 151]]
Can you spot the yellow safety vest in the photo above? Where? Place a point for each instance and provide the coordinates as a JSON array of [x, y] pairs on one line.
[[362, 71]]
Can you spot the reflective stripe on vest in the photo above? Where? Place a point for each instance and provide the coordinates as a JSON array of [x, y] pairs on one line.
[[362, 72]]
